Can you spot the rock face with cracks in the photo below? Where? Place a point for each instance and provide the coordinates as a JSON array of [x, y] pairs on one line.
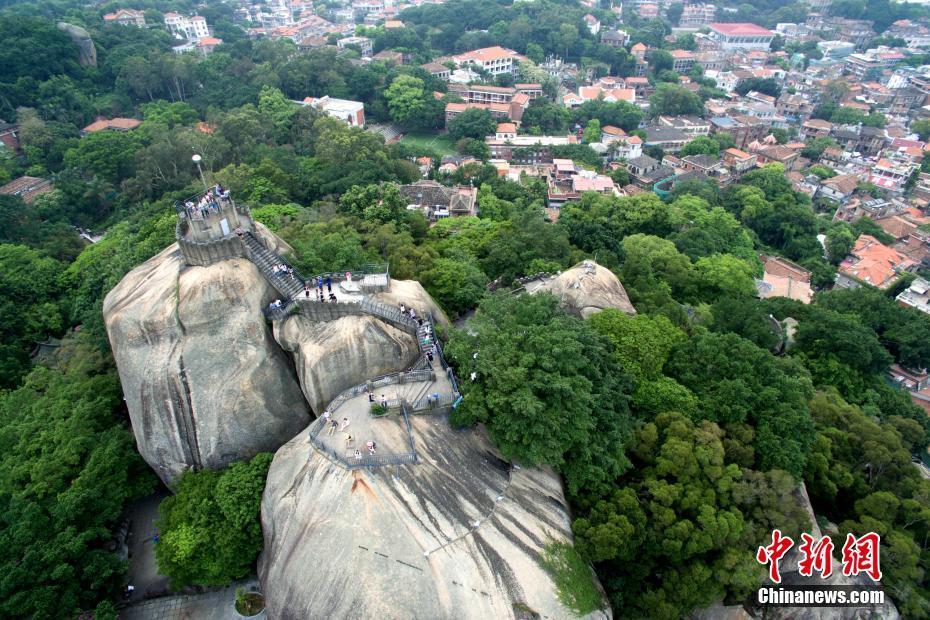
[[457, 535], [331, 356], [585, 289], [204, 381]]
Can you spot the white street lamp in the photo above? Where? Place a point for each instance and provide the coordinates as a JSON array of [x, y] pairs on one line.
[[196, 159]]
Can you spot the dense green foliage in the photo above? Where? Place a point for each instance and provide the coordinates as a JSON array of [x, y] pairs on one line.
[[68, 467], [546, 386], [210, 530]]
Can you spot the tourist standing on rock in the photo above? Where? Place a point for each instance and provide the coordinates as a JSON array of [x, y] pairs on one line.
[[371, 447], [327, 416], [349, 439], [332, 427], [319, 283], [329, 285], [413, 313], [345, 424], [371, 397], [383, 401], [403, 308], [358, 455]]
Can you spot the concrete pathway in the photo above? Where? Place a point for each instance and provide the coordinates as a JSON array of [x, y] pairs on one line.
[[215, 605], [143, 572]]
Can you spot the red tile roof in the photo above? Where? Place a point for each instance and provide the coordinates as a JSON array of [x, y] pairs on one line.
[[741, 30]]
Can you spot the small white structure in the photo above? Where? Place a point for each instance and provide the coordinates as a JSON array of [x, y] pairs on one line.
[[352, 113]]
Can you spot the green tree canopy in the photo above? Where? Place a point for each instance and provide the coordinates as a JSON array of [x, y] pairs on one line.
[[210, 529], [547, 387]]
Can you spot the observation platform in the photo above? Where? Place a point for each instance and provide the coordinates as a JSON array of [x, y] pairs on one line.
[[208, 228]]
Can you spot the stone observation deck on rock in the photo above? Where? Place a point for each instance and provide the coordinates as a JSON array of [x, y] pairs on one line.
[[221, 345]]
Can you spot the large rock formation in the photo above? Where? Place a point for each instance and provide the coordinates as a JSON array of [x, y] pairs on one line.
[[457, 535], [203, 378], [87, 52], [585, 289], [331, 356]]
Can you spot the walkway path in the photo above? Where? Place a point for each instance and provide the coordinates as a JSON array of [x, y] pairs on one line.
[[215, 605], [425, 388]]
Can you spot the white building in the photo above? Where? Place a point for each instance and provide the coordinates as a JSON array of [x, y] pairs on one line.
[[741, 36], [126, 17], [363, 43], [352, 113], [183, 27], [495, 60]]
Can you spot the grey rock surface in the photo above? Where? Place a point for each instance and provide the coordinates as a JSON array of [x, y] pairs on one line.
[[87, 52], [204, 381], [585, 289], [331, 356], [457, 535]]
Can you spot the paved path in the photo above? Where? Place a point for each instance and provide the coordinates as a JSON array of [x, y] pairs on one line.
[[143, 573], [217, 605]]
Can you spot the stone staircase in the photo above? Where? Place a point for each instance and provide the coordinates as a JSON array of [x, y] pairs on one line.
[[289, 285]]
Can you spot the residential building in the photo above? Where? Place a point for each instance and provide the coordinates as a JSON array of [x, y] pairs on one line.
[[646, 171], [697, 15], [917, 295], [669, 139], [914, 34], [437, 69], [797, 107], [530, 150], [619, 144], [682, 60], [708, 164], [27, 188], [738, 161], [891, 175], [741, 36], [389, 56], [593, 24], [816, 128], [614, 38], [777, 153], [872, 62], [499, 111], [839, 189], [873, 263], [352, 113], [531, 90], [495, 60], [916, 382], [506, 131], [691, 125], [184, 27], [9, 135], [590, 93], [744, 130], [111, 124], [362, 43], [126, 17], [783, 278], [438, 201]]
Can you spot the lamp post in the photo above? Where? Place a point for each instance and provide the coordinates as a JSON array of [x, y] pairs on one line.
[[196, 159]]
